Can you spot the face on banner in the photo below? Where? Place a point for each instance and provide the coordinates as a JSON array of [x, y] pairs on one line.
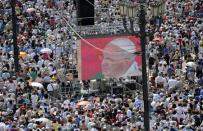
[[111, 57], [118, 57]]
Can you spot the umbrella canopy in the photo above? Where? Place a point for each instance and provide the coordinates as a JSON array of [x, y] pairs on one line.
[[46, 50], [44, 121], [83, 103], [23, 54], [30, 10], [191, 64], [36, 84]]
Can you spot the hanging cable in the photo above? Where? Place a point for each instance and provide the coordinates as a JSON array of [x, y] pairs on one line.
[[87, 42], [90, 3]]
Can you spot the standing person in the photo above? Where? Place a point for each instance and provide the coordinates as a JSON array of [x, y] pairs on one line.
[[171, 70], [46, 80], [152, 56], [45, 102], [11, 86], [200, 54], [33, 74], [50, 88], [196, 45], [159, 80], [34, 100]]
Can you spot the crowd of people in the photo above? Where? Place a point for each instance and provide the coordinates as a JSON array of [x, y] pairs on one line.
[[46, 53]]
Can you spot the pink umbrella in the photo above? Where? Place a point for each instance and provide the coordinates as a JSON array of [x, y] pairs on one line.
[[83, 103], [30, 10]]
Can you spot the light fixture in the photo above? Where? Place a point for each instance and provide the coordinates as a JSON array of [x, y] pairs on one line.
[[157, 7], [123, 9], [131, 11]]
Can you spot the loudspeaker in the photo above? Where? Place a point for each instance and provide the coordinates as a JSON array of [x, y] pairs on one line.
[[85, 12]]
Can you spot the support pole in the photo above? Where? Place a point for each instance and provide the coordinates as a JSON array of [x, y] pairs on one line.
[[15, 46], [125, 24], [142, 24]]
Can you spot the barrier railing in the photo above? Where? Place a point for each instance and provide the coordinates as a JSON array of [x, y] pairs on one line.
[[97, 30]]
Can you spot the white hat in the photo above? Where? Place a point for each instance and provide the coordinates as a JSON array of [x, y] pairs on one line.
[[119, 110], [104, 127], [103, 119], [30, 126], [93, 124]]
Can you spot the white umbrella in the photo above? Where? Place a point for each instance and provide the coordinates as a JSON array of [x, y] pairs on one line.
[[30, 10], [83, 103], [191, 64], [45, 121], [36, 84], [46, 50]]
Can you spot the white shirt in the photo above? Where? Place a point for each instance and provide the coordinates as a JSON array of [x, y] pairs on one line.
[[172, 82], [47, 79], [40, 62], [159, 79], [165, 82], [50, 87], [179, 110], [200, 55], [129, 113], [156, 97], [34, 98], [3, 126], [138, 103], [93, 129], [11, 86]]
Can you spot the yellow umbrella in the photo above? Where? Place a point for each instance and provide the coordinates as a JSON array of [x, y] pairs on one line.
[[23, 54]]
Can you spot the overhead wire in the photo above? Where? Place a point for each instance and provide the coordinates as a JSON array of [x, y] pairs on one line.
[[90, 3], [87, 42]]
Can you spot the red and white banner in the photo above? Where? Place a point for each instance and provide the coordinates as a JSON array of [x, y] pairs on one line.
[[109, 57]]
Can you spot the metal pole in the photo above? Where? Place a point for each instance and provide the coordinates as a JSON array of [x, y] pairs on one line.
[[15, 46], [125, 24], [142, 24]]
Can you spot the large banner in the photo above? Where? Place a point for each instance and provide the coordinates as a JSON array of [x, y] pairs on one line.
[[109, 57]]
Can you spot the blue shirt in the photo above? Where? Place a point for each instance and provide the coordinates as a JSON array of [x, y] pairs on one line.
[[165, 51], [196, 43]]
